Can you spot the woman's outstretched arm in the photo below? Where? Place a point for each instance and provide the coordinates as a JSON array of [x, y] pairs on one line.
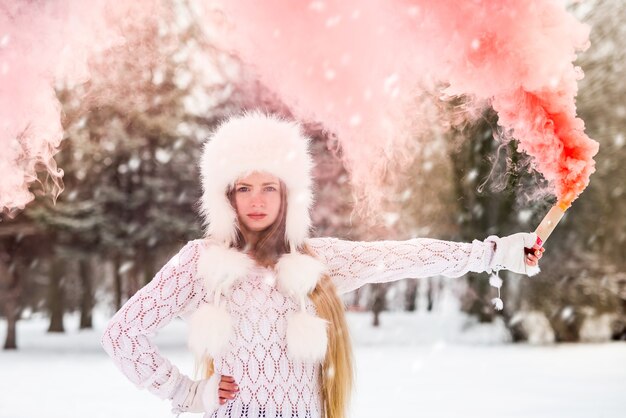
[[127, 337], [352, 264]]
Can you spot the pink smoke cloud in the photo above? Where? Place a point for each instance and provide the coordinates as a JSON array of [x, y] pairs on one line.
[[43, 44], [358, 67]]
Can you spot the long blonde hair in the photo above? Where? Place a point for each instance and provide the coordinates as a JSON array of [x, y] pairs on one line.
[[337, 371]]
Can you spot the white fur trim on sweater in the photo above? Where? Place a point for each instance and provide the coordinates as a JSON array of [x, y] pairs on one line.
[[298, 274], [220, 267], [307, 337], [210, 329], [210, 326]]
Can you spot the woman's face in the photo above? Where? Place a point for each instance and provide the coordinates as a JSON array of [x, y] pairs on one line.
[[257, 194]]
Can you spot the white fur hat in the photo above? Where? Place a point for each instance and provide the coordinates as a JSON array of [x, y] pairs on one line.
[[251, 142], [242, 144]]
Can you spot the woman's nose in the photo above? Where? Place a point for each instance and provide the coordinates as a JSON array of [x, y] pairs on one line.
[[258, 200]]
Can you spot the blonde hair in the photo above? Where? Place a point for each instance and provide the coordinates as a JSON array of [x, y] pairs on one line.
[[337, 371]]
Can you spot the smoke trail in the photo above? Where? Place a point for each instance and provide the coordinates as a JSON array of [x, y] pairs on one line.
[[42, 44], [520, 54], [357, 67]]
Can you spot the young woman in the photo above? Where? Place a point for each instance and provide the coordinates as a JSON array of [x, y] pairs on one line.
[[262, 299]]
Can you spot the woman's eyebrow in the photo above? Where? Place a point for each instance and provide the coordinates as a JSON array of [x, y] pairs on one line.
[[264, 184]]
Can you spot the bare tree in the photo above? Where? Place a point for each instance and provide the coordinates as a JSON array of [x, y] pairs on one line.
[[9, 297]]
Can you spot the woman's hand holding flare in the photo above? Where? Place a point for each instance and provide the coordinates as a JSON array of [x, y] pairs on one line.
[[534, 254], [519, 253]]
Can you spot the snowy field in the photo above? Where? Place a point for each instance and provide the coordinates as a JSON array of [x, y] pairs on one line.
[[415, 365]]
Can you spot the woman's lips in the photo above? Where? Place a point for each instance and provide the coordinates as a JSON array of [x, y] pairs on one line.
[[256, 217]]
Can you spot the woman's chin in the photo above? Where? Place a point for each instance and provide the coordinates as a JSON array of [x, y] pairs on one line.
[[257, 228]]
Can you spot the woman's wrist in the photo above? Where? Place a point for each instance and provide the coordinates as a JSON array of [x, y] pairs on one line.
[[210, 393]]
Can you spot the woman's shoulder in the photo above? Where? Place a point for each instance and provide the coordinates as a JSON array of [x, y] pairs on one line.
[[318, 244], [194, 248], [202, 242], [215, 248]]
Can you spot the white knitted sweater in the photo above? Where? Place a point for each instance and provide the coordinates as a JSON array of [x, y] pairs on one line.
[[270, 384]]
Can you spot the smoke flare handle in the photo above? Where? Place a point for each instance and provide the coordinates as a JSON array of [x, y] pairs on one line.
[[550, 221]]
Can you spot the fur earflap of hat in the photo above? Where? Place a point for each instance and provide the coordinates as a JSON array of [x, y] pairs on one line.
[[255, 141]]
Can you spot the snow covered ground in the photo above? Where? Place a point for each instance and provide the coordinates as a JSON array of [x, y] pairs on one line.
[[415, 365]]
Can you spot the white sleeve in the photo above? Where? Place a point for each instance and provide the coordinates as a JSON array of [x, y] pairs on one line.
[[352, 264], [127, 336]]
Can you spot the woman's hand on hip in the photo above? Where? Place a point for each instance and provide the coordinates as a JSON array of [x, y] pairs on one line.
[[227, 389]]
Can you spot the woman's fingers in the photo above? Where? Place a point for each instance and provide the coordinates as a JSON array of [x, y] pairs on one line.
[[227, 393], [534, 254], [231, 387], [228, 383], [228, 389]]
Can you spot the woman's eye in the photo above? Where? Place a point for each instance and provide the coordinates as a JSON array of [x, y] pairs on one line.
[[245, 189]]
